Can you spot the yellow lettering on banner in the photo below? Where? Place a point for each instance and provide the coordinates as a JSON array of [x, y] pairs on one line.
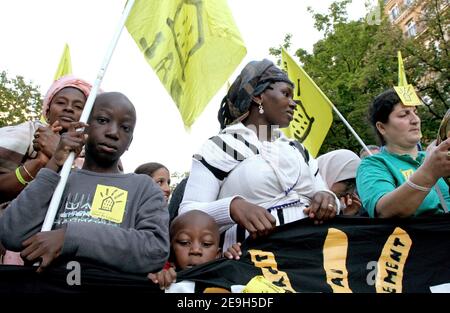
[[334, 259], [266, 262], [259, 284], [109, 203], [392, 262]]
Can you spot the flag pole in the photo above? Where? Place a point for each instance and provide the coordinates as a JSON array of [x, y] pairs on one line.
[[350, 128], [341, 116], [56, 199]]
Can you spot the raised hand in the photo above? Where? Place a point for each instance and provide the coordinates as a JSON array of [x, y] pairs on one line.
[[46, 139], [72, 140], [437, 161]]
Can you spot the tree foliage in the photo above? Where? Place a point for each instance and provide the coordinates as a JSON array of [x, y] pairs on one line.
[[356, 60], [427, 63], [19, 101]]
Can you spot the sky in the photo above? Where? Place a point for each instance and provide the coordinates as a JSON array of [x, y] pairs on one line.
[[33, 34]]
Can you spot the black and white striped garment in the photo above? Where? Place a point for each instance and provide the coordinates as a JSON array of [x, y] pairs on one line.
[[222, 153], [274, 175]]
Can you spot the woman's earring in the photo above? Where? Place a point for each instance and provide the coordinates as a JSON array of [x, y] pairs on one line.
[[261, 110]]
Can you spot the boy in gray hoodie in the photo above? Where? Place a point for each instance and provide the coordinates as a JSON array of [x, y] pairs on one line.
[[114, 219]]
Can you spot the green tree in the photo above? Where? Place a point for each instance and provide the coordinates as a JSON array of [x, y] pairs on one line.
[[286, 45], [19, 101], [352, 63], [356, 60], [427, 63]]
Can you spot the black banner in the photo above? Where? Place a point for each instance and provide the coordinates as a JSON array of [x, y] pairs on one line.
[[346, 255]]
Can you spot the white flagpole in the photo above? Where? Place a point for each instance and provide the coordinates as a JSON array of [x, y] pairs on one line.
[[350, 128], [56, 199], [340, 116]]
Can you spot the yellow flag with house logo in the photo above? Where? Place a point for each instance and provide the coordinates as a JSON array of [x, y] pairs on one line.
[[404, 90], [192, 45], [65, 64], [313, 115], [402, 81]]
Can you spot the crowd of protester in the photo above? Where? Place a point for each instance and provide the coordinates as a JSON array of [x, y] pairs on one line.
[[244, 181]]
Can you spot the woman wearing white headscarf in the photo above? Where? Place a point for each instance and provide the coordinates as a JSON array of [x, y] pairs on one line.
[[338, 170]]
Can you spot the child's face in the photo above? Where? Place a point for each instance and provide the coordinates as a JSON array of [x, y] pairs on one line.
[[110, 131], [195, 244], [162, 178]]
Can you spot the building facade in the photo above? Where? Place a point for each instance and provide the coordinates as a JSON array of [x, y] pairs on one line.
[[406, 14]]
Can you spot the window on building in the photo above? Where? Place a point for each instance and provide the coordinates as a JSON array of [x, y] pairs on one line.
[[411, 29], [394, 13]]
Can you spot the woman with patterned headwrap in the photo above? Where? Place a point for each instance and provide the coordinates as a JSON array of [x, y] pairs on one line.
[[26, 148], [250, 177]]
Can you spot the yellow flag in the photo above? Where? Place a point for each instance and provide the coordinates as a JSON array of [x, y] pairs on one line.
[[408, 95], [402, 81], [404, 90], [313, 115], [65, 64], [193, 46]]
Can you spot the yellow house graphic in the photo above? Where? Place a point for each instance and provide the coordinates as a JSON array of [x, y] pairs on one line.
[[109, 203]]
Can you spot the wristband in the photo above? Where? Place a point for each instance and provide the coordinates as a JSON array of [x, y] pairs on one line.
[[417, 187], [20, 177]]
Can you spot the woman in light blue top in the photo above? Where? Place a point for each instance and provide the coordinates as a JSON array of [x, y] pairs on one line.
[[402, 181]]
